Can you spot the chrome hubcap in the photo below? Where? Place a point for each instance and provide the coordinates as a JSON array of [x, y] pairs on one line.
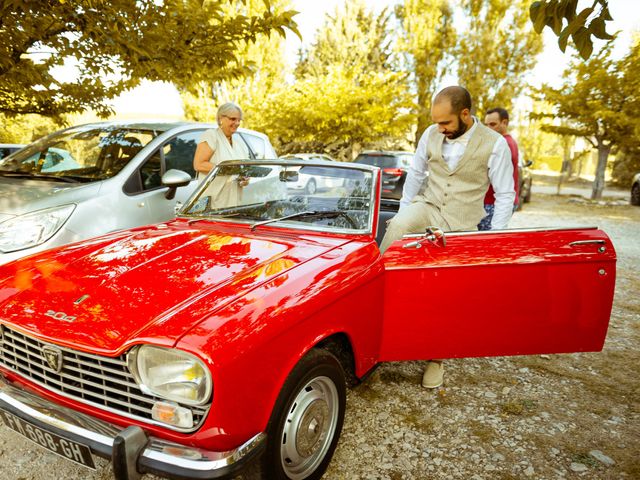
[[309, 427]]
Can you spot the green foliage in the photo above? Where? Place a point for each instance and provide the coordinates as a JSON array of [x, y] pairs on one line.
[[537, 145], [427, 34], [627, 162], [114, 44], [265, 54], [352, 37], [496, 51], [599, 102], [27, 128], [338, 112], [566, 22], [346, 95]]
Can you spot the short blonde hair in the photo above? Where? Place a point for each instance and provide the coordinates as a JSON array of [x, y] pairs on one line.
[[226, 108]]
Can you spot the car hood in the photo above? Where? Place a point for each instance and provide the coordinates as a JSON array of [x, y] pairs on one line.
[[19, 196], [104, 294]]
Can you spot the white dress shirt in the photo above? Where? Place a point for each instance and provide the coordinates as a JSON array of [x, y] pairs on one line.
[[500, 172]]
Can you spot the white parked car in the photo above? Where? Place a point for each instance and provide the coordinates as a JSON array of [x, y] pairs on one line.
[[92, 179], [313, 181]]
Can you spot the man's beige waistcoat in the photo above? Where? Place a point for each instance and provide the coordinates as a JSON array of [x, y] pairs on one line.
[[458, 195]]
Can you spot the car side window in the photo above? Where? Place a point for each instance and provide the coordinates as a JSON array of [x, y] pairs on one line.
[[256, 144], [180, 150], [151, 172]]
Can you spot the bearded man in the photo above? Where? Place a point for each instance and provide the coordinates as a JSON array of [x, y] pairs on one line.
[[456, 161]]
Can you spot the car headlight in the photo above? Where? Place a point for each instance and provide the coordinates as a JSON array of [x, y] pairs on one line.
[[32, 229], [171, 374]]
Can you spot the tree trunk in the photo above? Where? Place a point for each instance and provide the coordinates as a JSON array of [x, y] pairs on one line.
[[598, 182], [423, 123]]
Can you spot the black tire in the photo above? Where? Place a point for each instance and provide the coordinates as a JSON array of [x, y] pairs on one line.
[[635, 194], [307, 419], [311, 187]]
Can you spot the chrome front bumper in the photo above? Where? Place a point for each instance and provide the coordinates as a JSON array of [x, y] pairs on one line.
[[130, 450]]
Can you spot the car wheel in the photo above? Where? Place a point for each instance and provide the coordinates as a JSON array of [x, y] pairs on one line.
[[635, 194], [307, 419], [311, 187]]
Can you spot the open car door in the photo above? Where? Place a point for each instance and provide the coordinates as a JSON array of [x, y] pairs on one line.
[[509, 292]]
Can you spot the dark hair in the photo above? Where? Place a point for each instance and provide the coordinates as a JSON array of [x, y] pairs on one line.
[[502, 113], [458, 97]]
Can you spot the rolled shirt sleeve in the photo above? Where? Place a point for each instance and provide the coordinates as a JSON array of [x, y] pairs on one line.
[[501, 178]]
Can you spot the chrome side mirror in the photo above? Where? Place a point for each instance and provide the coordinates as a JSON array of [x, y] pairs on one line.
[[173, 179]]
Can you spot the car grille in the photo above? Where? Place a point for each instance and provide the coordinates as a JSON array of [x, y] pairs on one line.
[[101, 381]]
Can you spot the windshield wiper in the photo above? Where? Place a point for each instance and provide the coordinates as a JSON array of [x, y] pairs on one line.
[[6, 173], [225, 215], [308, 214]]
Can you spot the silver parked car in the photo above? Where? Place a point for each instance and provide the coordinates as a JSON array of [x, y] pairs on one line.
[[92, 179], [7, 149]]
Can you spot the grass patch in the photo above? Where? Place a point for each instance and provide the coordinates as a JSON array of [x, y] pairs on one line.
[[484, 432], [446, 399], [585, 459], [520, 407], [418, 420], [368, 393], [391, 375], [507, 476]]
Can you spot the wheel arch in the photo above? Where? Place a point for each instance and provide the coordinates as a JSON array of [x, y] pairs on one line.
[[339, 345]]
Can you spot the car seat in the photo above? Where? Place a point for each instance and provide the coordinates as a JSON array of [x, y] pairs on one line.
[[129, 148]]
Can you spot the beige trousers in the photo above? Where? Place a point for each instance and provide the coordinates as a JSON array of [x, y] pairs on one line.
[[414, 218]]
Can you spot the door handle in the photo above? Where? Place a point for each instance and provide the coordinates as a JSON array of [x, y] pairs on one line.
[[433, 234], [602, 243]]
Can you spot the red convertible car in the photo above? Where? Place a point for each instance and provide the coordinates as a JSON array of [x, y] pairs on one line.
[[224, 339]]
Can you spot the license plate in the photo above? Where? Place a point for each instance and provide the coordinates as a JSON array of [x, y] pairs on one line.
[[76, 452]]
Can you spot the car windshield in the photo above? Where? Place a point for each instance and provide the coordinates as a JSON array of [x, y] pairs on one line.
[[263, 192], [86, 153]]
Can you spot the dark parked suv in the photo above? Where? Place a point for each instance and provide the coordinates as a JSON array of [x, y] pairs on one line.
[[635, 190], [394, 166]]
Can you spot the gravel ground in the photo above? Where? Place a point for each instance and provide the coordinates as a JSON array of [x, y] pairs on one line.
[[539, 417]]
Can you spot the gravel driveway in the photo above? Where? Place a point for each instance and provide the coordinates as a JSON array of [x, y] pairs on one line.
[[539, 417]]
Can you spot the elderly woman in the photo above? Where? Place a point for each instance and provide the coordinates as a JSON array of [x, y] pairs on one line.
[[217, 145], [220, 144]]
